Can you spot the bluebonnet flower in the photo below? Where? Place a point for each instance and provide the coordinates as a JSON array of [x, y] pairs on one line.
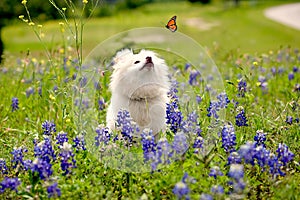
[[148, 144], [223, 100], [213, 109], [18, 155], [204, 196], [234, 158], [236, 172], [260, 138], [3, 167], [217, 189], [240, 118], [173, 90], [29, 91], [174, 116], [280, 70], [191, 125], [163, 153], [273, 70], [126, 125], [193, 77], [55, 88], [262, 83], [27, 164], [297, 87], [79, 143], [291, 76], [187, 66], [14, 104], [247, 152], [48, 127], [295, 69], [215, 171], [180, 143], [101, 104], [67, 158], [53, 191], [289, 119], [82, 82], [9, 183], [44, 150], [262, 156], [181, 189], [242, 88], [97, 85], [284, 154], [228, 138], [198, 99], [103, 135], [61, 138], [275, 166], [42, 167], [198, 144]]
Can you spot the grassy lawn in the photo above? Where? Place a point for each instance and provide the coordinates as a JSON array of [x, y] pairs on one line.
[[244, 144], [244, 28]]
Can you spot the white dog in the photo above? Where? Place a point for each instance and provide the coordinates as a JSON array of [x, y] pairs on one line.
[[139, 84]]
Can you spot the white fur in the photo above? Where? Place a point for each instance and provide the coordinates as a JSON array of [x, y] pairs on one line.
[[141, 91]]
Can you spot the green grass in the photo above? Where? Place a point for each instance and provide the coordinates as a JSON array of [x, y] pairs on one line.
[[249, 57], [244, 28]]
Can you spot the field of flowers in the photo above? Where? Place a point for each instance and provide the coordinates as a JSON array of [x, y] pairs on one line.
[[243, 144]]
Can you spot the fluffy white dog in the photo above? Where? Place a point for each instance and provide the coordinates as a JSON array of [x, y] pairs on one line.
[[139, 84]]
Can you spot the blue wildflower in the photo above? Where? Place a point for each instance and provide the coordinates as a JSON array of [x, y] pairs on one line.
[[204, 196], [180, 143], [297, 87], [181, 189], [217, 190], [247, 152], [173, 90], [260, 138], [53, 191], [48, 127], [234, 158], [174, 116], [101, 104], [15, 104], [148, 144], [9, 183], [295, 69], [191, 124], [275, 166], [291, 76], [29, 91], [187, 66], [223, 100], [262, 156], [198, 144], [228, 138], [215, 171], [127, 127], [236, 172], [284, 154], [67, 158], [193, 77], [3, 167], [163, 154], [213, 109], [18, 155], [61, 138], [242, 88], [198, 99], [44, 150], [289, 120], [103, 135], [79, 143], [42, 167], [240, 118]]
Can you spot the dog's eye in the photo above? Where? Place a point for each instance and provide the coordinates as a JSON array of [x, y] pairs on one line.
[[136, 62]]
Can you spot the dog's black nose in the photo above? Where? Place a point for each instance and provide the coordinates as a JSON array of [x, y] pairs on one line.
[[148, 59]]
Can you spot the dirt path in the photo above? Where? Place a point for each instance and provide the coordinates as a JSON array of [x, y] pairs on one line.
[[288, 14]]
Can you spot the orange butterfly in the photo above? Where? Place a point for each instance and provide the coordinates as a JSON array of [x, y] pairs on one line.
[[171, 25]]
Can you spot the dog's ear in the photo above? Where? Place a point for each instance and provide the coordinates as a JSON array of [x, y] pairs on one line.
[[121, 56]]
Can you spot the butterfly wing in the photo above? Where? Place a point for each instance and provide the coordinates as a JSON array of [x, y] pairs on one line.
[[171, 25]]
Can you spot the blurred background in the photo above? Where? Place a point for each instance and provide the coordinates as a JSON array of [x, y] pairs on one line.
[[221, 25]]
